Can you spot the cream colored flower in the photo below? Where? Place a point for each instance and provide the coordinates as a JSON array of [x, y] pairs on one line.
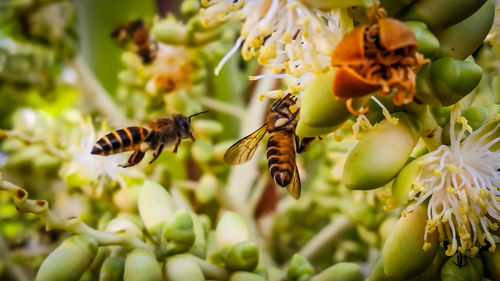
[[461, 183], [287, 36]]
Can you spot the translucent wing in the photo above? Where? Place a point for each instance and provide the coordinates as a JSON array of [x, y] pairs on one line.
[[294, 186], [244, 149]]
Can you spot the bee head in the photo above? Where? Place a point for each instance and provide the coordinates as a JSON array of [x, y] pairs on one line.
[[183, 123]]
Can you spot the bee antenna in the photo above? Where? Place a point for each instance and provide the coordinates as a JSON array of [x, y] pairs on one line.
[[189, 117]]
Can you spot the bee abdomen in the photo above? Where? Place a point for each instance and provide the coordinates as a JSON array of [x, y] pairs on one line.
[[281, 158], [126, 139]]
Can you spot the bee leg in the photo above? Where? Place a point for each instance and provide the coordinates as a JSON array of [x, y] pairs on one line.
[[134, 159], [177, 145], [156, 154]]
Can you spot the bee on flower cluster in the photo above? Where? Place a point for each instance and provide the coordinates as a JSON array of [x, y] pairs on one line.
[[163, 132], [281, 145], [137, 32]]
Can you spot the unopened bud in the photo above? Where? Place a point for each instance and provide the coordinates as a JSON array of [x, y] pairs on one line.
[[182, 268], [179, 233], [112, 269], [68, 261], [155, 207], [141, 265], [344, 271], [300, 269], [471, 269], [230, 230], [245, 276], [242, 256]]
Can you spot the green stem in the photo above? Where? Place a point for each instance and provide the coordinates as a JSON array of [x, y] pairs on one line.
[[74, 225], [326, 236], [431, 131]]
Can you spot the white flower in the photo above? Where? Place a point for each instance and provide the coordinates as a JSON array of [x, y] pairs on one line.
[[89, 166], [286, 35], [461, 183]]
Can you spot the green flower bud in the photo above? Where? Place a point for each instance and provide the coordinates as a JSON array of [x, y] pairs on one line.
[[394, 6], [403, 255], [207, 128], [112, 269], [470, 270], [476, 115], [242, 256], [442, 114], [230, 230], [404, 180], [126, 199], [131, 60], [170, 32], [199, 246], [386, 227], [441, 14], [245, 276], [141, 265], [46, 161], [491, 263], [189, 8], [155, 207], [275, 274], [221, 148], [320, 111], [130, 78], [179, 232], [68, 261], [377, 273], [433, 271], [207, 189], [463, 38], [10, 146], [428, 44], [202, 150], [121, 225], [26, 155], [300, 269], [343, 271], [380, 154], [446, 81], [183, 268]]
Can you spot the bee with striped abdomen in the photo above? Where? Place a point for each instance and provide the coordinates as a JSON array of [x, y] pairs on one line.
[[137, 32], [163, 132], [281, 145]]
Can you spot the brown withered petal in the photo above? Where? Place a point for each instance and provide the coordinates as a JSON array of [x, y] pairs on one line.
[[378, 57]]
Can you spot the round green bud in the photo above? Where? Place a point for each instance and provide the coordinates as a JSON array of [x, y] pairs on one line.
[[183, 268], [491, 263], [68, 261], [126, 199], [202, 150], [242, 256], [245, 276], [441, 14], [476, 115], [300, 268], [433, 271], [122, 225], [386, 227], [199, 246], [207, 128], [155, 207], [112, 269], [320, 111], [141, 265], [169, 31], [207, 189], [179, 232], [189, 8], [343, 271], [377, 158], [470, 270], [428, 44], [131, 60], [453, 79], [230, 230], [403, 254], [403, 182], [463, 38]]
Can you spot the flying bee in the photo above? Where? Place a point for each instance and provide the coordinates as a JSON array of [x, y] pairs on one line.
[[281, 145], [137, 32], [163, 132]]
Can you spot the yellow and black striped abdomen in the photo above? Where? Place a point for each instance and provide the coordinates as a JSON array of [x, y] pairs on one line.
[[126, 139], [281, 157]]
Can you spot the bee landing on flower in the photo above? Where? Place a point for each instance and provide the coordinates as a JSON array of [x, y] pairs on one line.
[[461, 183], [286, 35]]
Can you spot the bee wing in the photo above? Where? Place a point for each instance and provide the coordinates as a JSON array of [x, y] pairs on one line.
[[244, 149], [294, 186]]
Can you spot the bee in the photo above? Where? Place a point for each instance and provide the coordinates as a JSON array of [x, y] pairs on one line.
[[281, 145], [137, 32], [163, 132]]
